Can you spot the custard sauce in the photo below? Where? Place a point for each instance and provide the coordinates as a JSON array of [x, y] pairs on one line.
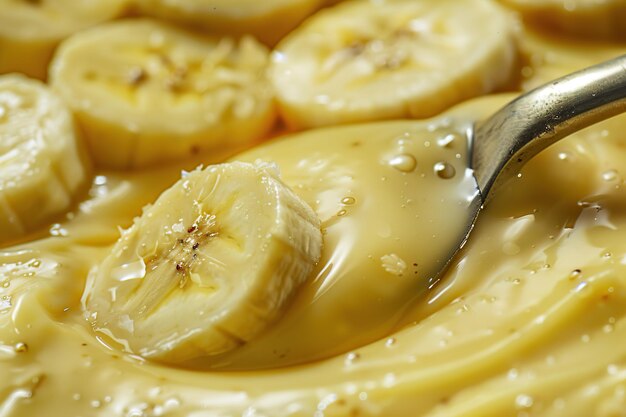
[[528, 320]]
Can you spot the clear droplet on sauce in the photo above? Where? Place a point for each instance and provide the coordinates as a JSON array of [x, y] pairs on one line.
[[575, 273], [563, 156], [447, 140], [21, 347], [404, 162], [5, 303], [348, 201], [100, 180], [444, 170], [523, 401], [58, 230], [610, 175], [352, 357]]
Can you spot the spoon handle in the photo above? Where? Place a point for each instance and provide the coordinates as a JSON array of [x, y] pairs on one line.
[[537, 119]]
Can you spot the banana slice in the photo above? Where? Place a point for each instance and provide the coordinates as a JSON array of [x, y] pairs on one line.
[[145, 92], [267, 20], [605, 19], [369, 60], [30, 30], [208, 266], [41, 167]]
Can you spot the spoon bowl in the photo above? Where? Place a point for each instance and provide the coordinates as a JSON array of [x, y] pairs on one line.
[[500, 145]]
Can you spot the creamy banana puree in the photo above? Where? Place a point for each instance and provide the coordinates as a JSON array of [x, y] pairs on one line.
[[528, 319]]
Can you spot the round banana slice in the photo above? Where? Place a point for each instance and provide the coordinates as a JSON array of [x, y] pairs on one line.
[[145, 92], [41, 167], [30, 30], [590, 18], [371, 60], [267, 20], [205, 268]]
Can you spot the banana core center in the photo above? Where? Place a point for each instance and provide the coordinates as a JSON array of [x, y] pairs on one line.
[[177, 267], [185, 251]]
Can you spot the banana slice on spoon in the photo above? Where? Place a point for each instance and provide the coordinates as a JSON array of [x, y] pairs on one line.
[[146, 93], [208, 266], [30, 30], [371, 60], [41, 164]]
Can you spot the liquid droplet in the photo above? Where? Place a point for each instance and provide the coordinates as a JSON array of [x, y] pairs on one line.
[[57, 230], [524, 401], [5, 303], [352, 357], [100, 180], [563, 156], [348, 201], [610, 175], [131, 270], [444, 170], [341, 213], [21, 347], [447, 140], [403, 162]]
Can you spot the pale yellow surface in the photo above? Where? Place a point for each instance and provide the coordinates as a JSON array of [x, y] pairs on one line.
[[146, 93], [530, 319], [42, 168], [267, 20], [512, 327], [587, 19], [31, 30], [207, 267], [380, 60]]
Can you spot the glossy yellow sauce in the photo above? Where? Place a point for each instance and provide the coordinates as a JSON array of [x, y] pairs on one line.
[[529, 320]]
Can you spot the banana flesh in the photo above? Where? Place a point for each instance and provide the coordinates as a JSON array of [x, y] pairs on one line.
[[205, 268], [31, 30], [145, 92], [602, 19], [370, 60], [41, 166], [267, 20]]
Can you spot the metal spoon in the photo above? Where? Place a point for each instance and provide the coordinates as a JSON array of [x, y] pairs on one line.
[[502, 144]]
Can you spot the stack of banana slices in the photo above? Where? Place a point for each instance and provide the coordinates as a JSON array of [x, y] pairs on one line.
[[226, 247]]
